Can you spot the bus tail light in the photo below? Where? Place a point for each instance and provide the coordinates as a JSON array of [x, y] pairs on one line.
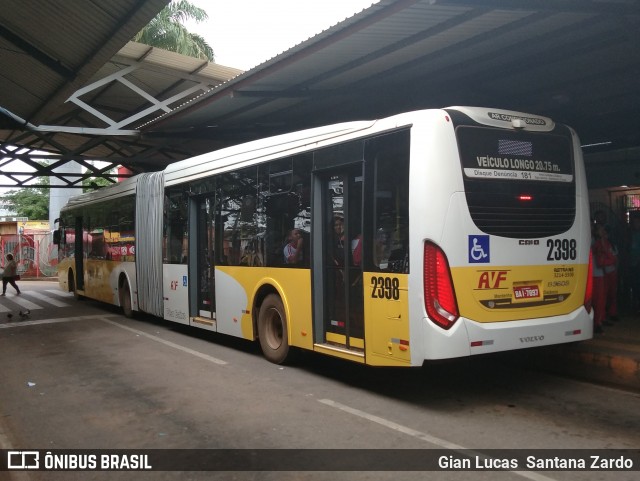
[[439, 295], [588, 293]]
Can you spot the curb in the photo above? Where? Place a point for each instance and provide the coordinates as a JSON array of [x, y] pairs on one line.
[[619, 367]]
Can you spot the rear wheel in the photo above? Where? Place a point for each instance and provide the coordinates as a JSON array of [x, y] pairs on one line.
[[125, 299], [272, 329]]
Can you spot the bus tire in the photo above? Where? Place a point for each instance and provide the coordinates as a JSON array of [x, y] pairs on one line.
[[272, 329], [125, 299], [72, 287]]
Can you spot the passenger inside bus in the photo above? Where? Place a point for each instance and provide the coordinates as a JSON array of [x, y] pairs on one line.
[[294, 249], [338, 240]]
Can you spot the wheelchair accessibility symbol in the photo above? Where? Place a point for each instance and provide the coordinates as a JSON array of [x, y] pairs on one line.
[[479, 249]]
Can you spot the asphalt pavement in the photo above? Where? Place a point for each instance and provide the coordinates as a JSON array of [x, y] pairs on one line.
[[611, 358]]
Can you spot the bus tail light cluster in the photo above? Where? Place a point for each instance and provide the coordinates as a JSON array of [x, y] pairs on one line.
[[588, 293], [439, 295]]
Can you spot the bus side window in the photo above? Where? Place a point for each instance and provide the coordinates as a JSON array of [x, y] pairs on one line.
[[390, 234], [97, 223], [175, 227], [284, 204], [236, 195], [69, 238]]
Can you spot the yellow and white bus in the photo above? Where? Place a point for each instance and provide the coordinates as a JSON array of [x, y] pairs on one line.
[[427, 235]]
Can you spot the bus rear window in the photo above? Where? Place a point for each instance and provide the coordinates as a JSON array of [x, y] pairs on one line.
[[518, 184], [513, 155]]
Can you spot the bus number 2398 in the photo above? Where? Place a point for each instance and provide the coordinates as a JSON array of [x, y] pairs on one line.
[[385, 288], [561, 249]]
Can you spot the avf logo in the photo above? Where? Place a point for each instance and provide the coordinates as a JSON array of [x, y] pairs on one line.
[[492, 279]]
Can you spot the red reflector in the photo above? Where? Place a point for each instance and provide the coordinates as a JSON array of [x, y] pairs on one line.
[[486, 342]]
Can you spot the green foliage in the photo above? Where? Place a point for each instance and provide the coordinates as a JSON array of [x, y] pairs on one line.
[[31, 202], [94, 183], [167, 31]]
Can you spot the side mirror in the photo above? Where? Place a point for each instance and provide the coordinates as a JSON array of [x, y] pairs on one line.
[[56, 237]]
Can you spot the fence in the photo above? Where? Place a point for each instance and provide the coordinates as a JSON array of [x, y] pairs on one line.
[[35, 254]]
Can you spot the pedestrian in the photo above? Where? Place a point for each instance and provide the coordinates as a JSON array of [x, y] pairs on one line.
[[9, 275], [606, 257], [599, 293]]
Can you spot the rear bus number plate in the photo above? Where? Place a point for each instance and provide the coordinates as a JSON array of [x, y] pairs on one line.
[[562, 249]]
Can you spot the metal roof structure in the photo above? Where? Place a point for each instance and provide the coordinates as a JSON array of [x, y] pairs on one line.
[[51, 49], [48, 50], [95, 122], [575, 61]]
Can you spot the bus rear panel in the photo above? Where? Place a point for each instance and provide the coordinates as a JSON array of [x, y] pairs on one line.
[[506, 258]]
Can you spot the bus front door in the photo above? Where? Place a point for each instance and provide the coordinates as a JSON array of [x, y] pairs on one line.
[[341, 292], [202, 262]]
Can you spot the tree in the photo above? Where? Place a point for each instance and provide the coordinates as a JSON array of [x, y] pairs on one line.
[[167, 31], [93, 183], [31, 202]]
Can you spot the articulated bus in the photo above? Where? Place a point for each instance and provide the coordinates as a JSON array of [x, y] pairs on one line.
[[427, 235]]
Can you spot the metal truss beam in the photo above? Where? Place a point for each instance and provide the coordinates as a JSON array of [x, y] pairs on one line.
[[96, 130], [30, 165]]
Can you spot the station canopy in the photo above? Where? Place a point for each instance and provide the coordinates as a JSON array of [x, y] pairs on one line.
[[576, 61]]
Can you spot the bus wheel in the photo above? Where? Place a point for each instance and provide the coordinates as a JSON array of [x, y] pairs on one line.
[[125, 299], [272, 329], [72, 287]]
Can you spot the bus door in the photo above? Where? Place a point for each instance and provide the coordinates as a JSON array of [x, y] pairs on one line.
[[78, 252], [201, 262], [339, 318]]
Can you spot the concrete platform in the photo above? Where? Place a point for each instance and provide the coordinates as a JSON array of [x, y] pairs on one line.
[[611, 358]]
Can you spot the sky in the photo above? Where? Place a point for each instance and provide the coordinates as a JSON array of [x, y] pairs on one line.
[[245, 33]]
